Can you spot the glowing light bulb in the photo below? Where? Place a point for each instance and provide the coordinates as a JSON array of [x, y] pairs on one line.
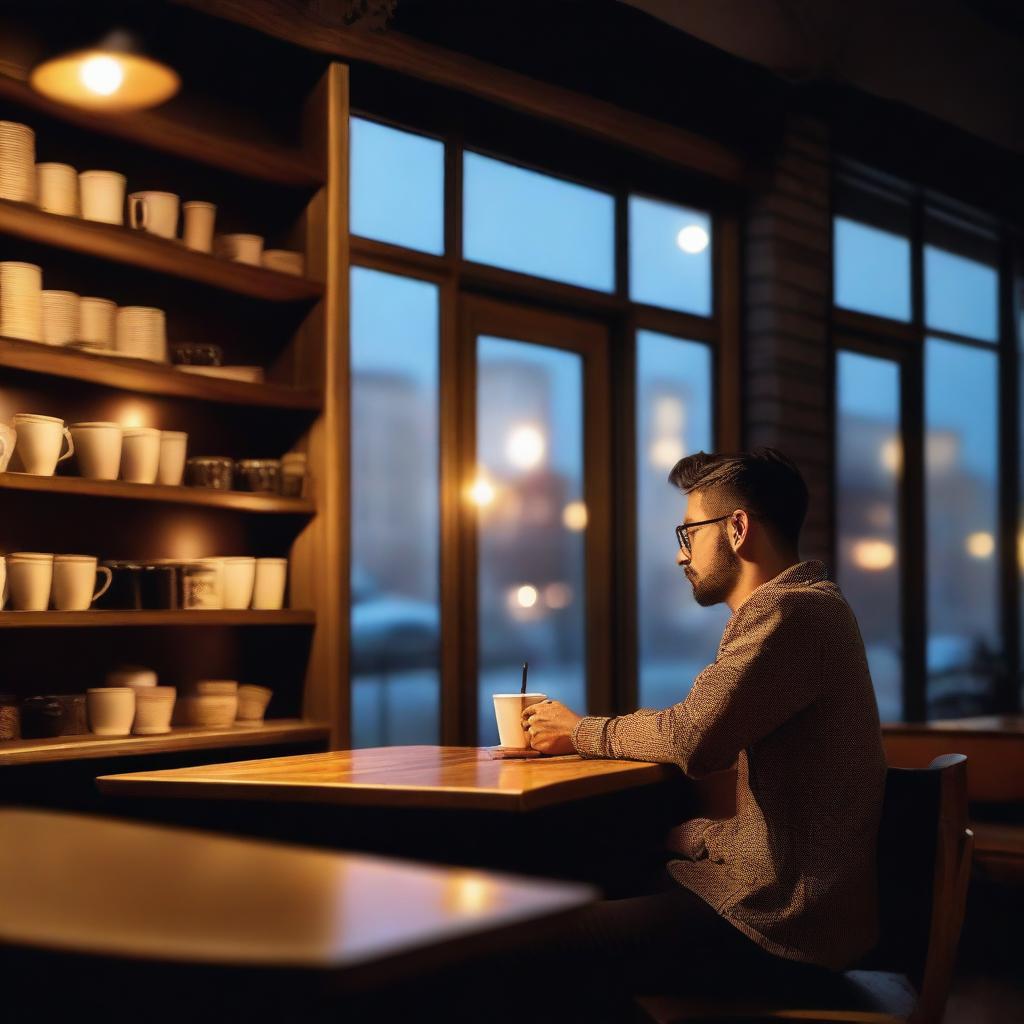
[[693, 239], [102, 75], [526, 596], [980, 544], [481, 492], [574, 516], [873, 555], [525, 447]]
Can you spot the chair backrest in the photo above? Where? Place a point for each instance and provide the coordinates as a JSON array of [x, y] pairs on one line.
[[924, 856]]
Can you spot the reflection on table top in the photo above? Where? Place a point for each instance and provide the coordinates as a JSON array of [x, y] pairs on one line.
[[80, 884], [449, 777]]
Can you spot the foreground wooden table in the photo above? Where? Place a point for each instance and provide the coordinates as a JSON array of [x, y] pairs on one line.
[[82, 885], [452, 778]]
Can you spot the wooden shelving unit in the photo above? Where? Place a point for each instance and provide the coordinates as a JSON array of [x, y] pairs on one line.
[[290, 325], [202, 497], [148, 378], [73, 748], [101, 619], [139, 249]]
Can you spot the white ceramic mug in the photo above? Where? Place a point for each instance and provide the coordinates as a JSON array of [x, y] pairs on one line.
[[198, 231], [74, 577], [238, 578], [141, 332], [57, 189], [40, 439], [8, 440], [240, 248], [268, 588], [155, 212], [111, 710], [98, 449], [252, 702], [29, 576], [140, 455], [154, 706], [102, 196], [508, 710], [173, 448], [96, 321]]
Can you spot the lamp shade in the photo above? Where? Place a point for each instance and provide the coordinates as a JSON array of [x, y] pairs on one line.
[[114, 74]]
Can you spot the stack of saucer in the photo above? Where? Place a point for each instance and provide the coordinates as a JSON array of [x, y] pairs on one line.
[[284, 261], [60, 317], [17, 162], [142, 333], [21, 313], [96, 324]]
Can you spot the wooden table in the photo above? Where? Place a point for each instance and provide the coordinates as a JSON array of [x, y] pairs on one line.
[[74, 884], [591, 820], [453, 778]]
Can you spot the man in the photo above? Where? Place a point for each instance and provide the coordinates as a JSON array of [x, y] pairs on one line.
[[789, 880]]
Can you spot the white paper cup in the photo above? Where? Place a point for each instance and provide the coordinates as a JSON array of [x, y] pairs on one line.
[[40, 440], [154, 706], [57, 189], [74, 582], [140, 455], [97, 449], [111, 710], [101, 195], [198, 230], [508, 710], [173, 447], [269, 586], [238, 578], [29, 579]]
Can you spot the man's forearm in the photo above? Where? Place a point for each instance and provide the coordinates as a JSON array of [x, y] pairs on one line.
[[646, 735]]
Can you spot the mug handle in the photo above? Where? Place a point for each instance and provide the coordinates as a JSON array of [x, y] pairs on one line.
[[135, 204], [106, 586], [71, 445]]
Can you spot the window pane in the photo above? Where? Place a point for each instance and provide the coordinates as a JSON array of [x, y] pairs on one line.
[[961, 470], [669, 256], [869, 466], [535, 224], [395, 615], [396, 187], [676, 638], [960, 294], [532, 520], [872, 270]]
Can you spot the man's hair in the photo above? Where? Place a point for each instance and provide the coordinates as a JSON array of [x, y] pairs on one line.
[[764, 482]]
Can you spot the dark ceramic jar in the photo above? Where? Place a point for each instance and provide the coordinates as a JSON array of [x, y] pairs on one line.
[[209, 471], [41, 717], [263, 475]]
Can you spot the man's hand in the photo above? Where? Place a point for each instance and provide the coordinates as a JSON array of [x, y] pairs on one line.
[[549, 727]]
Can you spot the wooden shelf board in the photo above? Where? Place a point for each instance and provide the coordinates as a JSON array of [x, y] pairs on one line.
[[156, 130], [72, 748], [98, 619], [150, 378], [242, 501], [140, 249]]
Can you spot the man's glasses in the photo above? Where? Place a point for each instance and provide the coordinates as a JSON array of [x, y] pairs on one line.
[[683, 530]]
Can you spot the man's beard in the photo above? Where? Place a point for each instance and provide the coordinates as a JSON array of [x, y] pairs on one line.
[[718, 582]]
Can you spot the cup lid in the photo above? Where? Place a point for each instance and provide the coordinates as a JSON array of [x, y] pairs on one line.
[[542, 695]]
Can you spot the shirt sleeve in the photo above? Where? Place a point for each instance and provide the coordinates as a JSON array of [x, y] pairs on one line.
[[768, 670]]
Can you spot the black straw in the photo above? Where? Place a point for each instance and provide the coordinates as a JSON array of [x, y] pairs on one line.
[[526, 668]]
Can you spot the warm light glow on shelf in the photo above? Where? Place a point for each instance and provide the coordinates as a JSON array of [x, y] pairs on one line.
[[526, 446], [693, 239], [873, 555], [481, 492], [980, 544], [574, 516], [133, 415]]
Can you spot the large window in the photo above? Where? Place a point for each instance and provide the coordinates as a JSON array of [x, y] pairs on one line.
[[486, 458], [936, 502]]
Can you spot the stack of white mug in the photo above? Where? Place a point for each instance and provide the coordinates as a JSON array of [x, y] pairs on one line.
[[35, 580], [245, 582]]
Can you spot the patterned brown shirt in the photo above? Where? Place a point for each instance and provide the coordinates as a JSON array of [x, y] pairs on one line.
[[789, 699]]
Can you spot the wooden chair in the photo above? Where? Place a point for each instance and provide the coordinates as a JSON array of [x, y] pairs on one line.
[[924, 859]]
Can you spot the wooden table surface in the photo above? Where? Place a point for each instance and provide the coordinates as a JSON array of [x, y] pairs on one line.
[[459, 778], [77, 884]]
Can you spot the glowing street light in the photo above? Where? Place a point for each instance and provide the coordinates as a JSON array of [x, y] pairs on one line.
[[526, 446], [693, 239]]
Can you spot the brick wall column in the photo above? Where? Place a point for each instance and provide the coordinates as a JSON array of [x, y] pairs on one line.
[[787, 279]]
